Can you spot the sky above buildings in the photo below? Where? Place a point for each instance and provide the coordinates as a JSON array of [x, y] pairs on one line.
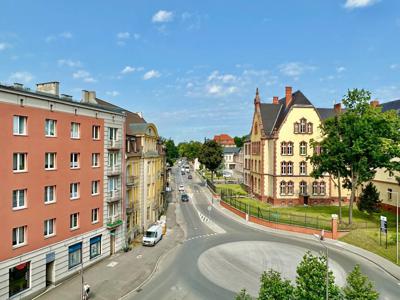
[[192, 67]]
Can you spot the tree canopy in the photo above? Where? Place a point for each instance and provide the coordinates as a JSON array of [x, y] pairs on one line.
[[211, 156], [171, 151], [369, 199], [190, 150]]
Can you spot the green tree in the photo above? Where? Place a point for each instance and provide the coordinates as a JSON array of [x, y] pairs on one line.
[[369, 199], [311, 279], [211, 156], [274, 287], [239, 141], [358, 287], [243, 295], [171, 151], [190, 150], [366, 139]]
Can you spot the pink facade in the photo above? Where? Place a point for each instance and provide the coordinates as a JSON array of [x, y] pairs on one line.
[[36, 178]]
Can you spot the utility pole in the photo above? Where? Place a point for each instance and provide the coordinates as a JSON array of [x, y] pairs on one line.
[[319, 237], [397, 224]]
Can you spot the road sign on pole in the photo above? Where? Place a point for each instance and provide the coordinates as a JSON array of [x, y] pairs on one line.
[[384, 227]]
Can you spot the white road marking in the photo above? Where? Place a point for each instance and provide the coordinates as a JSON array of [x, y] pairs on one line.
[[112, 264], [139, 256]]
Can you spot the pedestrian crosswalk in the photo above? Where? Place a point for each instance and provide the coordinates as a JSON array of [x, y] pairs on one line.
[[200, 236]]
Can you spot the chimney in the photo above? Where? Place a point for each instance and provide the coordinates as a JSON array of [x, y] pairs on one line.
[[338, 108], [275, 100], [89, 97], [52, 88], [374, 103], [288, 94]]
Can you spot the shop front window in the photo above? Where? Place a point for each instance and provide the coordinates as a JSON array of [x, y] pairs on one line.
[[95, 246], [19, 279], [74, 255]]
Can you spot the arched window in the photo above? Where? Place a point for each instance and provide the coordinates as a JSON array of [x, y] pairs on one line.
[[289, 168], [322, 188], [289, 148], [303, 168], [303, 188], [303, 125], [303, 148], [296, 127], [315, 188], [309, 127], [283, 148], [290, 188], [283, 168], [283, 188]]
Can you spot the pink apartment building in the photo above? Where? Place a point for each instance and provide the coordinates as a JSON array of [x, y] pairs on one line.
[[60, 189]]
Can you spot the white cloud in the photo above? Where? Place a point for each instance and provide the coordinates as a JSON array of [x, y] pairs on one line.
[[294, 69], [340, 69], [224, 78], [84, 75], [128, 69], [123, 35], [21, 77], [112, 93], [350, 4], [162, 16], [4, 46], [64, 35], [69, 63], [151, 74]]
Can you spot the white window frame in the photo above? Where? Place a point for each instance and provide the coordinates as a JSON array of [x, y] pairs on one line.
[[20, 157], [95, 187], [20, 202], [322, 188], [303, 165], [47, 160], [303, 187], [17, 125], [113, 134], [16, 235], [47, 227], [74, 190], [75, 130], [112, 159], [95, 160], [74, 221], [96, 132], [47, 194], [303, 148], [95, 215], [290, 188], [289, 148], [282, 188], [283, 168], [315, 188], [50, 127], [74, 160], [113, 210], [303, 126], [289, 168]]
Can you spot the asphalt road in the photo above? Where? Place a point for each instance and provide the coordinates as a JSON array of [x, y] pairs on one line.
[[216, 261]]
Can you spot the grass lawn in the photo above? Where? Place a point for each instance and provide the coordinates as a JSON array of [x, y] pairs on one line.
[[235, 188]]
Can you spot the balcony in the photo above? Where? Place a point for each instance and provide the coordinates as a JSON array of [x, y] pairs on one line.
[[114, 170], [131, 180], [113, 196], [114, 221], [114, 144]]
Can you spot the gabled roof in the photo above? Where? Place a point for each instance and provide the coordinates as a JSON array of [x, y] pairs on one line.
[[325, 113], [131, 117]]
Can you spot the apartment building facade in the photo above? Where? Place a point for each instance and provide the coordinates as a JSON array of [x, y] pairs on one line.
[[61, 187]]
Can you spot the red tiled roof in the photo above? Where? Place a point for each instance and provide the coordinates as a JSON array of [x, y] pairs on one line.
[[224, 139]]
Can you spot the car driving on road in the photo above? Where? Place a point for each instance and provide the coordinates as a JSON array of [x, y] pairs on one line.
[[181, 188], [185, 198], [190, 176]]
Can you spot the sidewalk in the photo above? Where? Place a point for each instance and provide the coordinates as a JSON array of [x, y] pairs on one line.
[[119, 274]]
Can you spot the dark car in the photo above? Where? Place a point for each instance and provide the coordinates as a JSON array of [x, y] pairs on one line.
[[190, 176], [185, 198]]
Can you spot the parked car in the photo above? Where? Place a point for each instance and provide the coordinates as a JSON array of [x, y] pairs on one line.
[[152, 235], [190, 176], [185, 198], [181, 188], [183, 173]]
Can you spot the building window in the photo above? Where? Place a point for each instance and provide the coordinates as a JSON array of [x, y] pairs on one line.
[[49, 227], [290, 188], [95, 215], [112, 159], [95, 246], [303, 148], [303, 188], [148, 213], [283, 188], [95, 160], [303, 168], [290, 168], [75, 130], [95, 187], [283, 148], [74, 190], [390, 192], [309, 127], [19, 125], [19, 162], [112, 134], [50, 161], [283, 168], [289, 148], [50, 127], [18, 236], [74, 255], [296, 127], [74, 221], [50, 194], [74, 161], [303, 126], [19, 199], [96, 132], [19, 278], [322, 188], [315, 188]]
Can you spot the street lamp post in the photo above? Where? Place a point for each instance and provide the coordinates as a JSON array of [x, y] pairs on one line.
[[319, 237], [397, 225]]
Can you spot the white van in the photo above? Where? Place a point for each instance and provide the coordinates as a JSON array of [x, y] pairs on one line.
[[152, 235]]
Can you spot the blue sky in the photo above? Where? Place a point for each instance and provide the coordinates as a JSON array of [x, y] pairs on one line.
[[192, 67]]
